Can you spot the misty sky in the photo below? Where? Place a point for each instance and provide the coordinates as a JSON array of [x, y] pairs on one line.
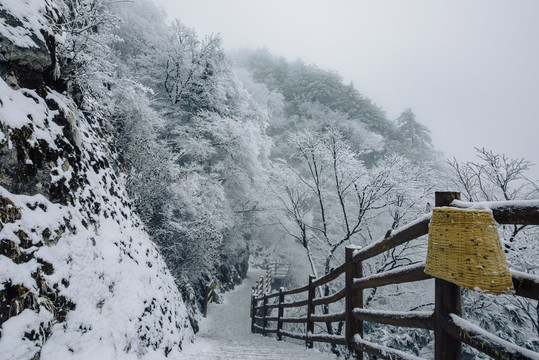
[[468, 69]]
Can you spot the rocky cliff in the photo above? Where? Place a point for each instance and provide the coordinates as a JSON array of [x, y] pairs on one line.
[[79, 276]]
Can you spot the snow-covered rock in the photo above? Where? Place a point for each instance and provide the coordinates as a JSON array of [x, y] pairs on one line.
[[24, 32], [79, 276]]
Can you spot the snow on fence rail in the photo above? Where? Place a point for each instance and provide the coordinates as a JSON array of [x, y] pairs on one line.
[[450, 329]]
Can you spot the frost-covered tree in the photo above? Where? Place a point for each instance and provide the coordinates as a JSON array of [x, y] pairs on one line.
[[329, 198], [414, 186], [415, 134], [85, 54], [191, 144], [300, 83], [293, 197], [412, 139], [188, 67], [336, 198], [496, 177]]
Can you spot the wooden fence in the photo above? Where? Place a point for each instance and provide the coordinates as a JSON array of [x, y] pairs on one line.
[[209, 296], [262, 285], [449, 328]]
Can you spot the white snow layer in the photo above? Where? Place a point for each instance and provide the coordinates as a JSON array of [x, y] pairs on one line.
[[24, 107], [226, 333], [492, 340], [32, 16], [127, 305], [494, 205]]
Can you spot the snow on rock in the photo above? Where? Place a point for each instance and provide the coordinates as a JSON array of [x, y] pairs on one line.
[[24, 32], [80, 277], [32, 17], [17, 112]]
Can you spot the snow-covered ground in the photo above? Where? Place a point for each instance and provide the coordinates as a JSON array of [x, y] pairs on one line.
[[82, 279], [226, 332]]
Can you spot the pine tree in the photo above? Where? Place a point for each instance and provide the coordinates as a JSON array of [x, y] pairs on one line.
[[413, 133]]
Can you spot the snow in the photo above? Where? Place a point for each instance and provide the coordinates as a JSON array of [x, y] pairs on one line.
[[14, 329], [493, 340], [17, 273], [127, 305], [423, 314], [394, 232], [24, 107], [492, 205], [110, 286], [226, 332], [412, 223], [386, 350], [62, 174], [31, 13], [395, 272], [522, 275]]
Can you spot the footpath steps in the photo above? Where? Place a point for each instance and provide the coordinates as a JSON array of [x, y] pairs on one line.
[[216, 349], [226, 333]]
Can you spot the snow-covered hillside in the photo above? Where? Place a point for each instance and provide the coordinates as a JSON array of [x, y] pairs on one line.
[[79, 277]]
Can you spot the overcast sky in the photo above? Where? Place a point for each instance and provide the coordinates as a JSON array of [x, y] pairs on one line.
[[468, 69]]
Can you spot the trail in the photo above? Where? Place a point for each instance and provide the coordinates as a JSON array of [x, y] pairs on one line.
[[226, 332]]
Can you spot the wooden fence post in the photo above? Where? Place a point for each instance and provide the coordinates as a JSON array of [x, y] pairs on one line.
[[447, 301], [310, 311], [253, 311], [206, 300], [268, 283], [209, 296], [265, 324], [280, 314], [354, 299]]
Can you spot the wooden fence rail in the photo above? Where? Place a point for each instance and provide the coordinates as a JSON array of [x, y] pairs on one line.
[[450, 329]]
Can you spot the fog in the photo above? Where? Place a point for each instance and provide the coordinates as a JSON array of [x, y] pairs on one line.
[[469, 70]]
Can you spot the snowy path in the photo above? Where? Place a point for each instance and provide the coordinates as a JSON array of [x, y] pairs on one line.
[[226, 333]]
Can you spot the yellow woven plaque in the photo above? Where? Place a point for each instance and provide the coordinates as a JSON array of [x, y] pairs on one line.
[[465, 249]]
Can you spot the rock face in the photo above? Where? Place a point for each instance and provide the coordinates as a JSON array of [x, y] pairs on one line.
[[80, 277], [35, 56], [27, 40]]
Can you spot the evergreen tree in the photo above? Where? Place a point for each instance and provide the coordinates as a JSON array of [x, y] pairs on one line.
[[411, 132]]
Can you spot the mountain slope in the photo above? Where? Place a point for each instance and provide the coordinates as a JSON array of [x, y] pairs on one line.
[[80, 277]]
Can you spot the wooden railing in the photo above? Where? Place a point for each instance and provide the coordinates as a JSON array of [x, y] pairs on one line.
[[275, 271], [262, 285], [279, 271], [450, 329], [209, 296]]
